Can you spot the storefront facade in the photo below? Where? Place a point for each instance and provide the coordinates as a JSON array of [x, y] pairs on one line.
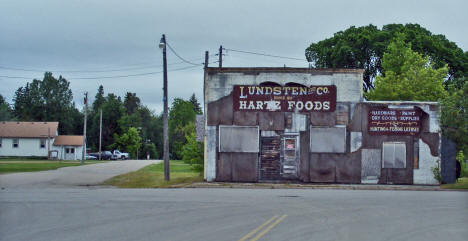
[[313, 125]]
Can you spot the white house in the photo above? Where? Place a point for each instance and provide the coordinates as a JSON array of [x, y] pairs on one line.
[[69, 147], [37, 139], [27, 138]]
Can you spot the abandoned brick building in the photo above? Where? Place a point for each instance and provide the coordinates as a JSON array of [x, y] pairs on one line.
[[313, 125]]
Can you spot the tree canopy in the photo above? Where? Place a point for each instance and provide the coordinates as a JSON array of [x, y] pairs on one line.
[[454, 118], [180, 116], [49, 99], [5, 110], [408, 76], [364, 47]]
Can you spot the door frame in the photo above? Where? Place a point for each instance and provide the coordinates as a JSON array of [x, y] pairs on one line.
[[285, 136]]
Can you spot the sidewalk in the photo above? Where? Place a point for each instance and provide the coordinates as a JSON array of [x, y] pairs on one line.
[[316, 186]]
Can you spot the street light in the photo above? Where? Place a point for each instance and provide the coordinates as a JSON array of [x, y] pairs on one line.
[[162, 45]]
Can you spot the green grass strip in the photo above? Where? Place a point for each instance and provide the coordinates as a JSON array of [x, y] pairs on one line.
[[152, 176]]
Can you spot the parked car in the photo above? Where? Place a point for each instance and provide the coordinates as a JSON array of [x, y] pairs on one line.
[[121, 155], [89, 157], [105, 155]]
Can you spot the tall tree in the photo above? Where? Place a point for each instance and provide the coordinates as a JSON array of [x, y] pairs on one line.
[[129, 141], [131, 103], [49, 99], [99, 99], [454, 118], [112, 111], [5, 110], [363, 47], [196, 105], [408, 76], [180, 115]]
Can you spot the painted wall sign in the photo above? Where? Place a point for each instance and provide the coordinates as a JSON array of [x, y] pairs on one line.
[[384, 121], [285, 98]]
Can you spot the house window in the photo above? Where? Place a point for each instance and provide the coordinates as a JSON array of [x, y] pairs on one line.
[[72, 150], [42, 143], [394, 155], [0, 142], [15, 143]]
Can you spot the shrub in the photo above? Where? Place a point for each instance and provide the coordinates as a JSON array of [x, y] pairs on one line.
[[461, 159], [436, 172], [192, 152]]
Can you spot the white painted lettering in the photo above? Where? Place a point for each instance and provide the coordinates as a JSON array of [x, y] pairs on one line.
[[309, 105], [326, 105], [290, 105]]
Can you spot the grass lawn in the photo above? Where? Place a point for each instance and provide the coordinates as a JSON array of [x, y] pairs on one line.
[[152, 176], [462, 183], [31, 165]]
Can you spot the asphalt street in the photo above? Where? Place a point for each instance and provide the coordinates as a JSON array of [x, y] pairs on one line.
[[86, 175], [231, 214]]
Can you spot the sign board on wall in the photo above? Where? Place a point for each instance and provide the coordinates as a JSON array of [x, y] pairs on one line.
[[384, 121], [285, 98]]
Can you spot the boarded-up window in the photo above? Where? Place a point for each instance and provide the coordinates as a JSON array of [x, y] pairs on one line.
[[239, 139], [394, 155], [328, 140]]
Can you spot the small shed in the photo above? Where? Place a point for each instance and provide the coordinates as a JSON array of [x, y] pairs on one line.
[[69, 147]]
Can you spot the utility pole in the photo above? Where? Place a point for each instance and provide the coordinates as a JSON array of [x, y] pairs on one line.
[[100, 134], [204, 109], [220, 56], [84, 127], [162, 45], [206, 59], [48, 143]]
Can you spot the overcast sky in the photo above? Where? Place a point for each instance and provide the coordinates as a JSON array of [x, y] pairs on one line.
[[103, 38]]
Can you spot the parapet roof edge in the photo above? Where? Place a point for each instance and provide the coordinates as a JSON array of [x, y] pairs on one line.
[[401, 102], [213, 70]]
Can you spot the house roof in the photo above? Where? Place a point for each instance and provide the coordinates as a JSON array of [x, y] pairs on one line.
[[28, 129], [68, 141]]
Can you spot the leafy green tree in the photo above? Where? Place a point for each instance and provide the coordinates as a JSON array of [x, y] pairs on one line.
[[5, 110], [112, 111], [180, 115], [94, 119], [408, 76], [129, 141], [363, 47], [454, 116], [193, 152], [149, 148], [49, 99], [196, 105]]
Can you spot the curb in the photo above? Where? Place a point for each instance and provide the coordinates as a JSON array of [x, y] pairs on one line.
[[314, 186]]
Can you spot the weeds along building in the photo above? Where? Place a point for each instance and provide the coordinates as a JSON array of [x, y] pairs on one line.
[[313, 125]]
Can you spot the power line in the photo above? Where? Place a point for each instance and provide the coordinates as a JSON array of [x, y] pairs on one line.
[[262, 54], [186, 61], [90, 71], [105, 77]]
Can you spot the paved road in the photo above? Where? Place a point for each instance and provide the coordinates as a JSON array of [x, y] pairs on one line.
[[231, 214], [72, 176]]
